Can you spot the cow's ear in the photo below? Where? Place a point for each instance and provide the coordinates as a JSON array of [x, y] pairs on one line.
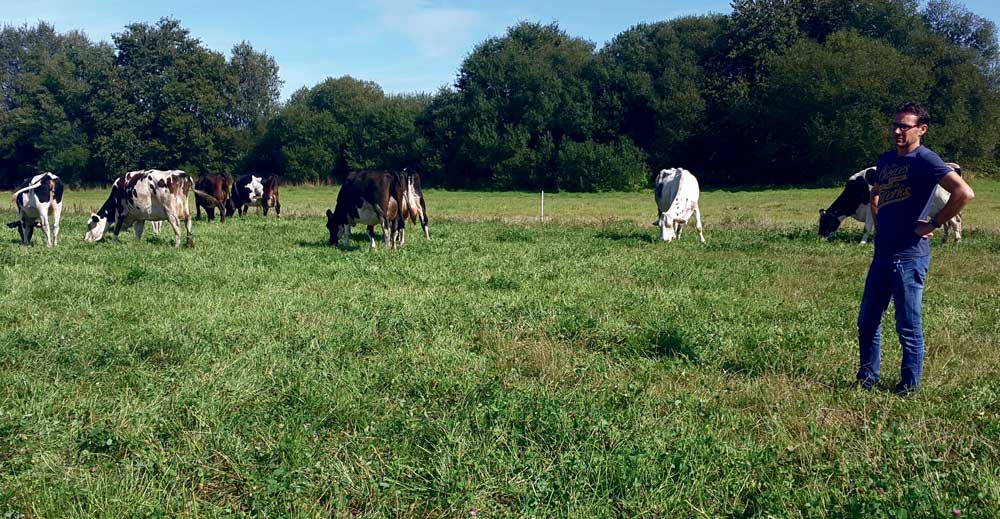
[[94, 218], [329, 213]]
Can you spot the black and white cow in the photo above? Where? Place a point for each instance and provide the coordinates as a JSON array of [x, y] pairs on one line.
[[249, 189], [38, 198], [855, 202], [144, 195], [414, 206], [369, 198], [677, 193]]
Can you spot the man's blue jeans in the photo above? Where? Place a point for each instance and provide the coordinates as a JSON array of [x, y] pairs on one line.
[[902, 280]]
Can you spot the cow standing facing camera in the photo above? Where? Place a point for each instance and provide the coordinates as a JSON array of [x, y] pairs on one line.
[[38, 199]]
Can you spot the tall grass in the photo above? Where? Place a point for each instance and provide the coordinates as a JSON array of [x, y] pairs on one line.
[[510, 367]]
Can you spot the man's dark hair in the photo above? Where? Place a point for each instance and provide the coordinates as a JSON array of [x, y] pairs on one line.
[[917, 109]]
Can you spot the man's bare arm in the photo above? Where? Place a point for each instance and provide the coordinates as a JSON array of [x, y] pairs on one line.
[[961, 194]]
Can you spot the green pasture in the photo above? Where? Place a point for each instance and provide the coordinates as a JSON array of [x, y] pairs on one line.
[[508, 367]]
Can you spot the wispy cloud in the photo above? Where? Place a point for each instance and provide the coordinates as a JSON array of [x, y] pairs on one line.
[[435, 31]]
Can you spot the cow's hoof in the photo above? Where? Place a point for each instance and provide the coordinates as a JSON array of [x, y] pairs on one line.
[[190, 243]]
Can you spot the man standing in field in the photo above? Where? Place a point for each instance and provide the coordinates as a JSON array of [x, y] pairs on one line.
[[905, 181]]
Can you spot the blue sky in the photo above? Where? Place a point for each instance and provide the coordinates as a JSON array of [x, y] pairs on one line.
[[403, 45]]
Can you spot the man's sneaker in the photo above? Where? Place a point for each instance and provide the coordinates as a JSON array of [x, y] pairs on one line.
[[905, 391], [867, 382]]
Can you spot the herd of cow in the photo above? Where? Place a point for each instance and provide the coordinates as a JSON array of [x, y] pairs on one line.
[[372, 198], [384, 198]]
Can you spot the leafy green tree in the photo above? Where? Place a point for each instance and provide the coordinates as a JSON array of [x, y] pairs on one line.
[[650, 83], [591, 166], [828, 105], [526, 89], [961, 27], [175, 92]]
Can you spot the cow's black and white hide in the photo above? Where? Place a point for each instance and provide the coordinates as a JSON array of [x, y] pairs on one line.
[[677, 194], [246, 190], [855, 202], [144, 195], [369, 198], [39, 200]]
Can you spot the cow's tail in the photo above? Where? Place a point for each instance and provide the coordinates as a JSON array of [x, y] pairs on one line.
[[13, 197], [208, 200]]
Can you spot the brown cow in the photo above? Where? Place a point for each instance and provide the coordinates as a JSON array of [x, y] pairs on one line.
[[218, 187], [270, 198]]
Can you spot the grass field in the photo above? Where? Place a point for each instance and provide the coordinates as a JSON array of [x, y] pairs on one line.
[[507, 367]]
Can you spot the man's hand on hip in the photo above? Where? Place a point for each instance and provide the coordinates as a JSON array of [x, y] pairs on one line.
[[924, 229]]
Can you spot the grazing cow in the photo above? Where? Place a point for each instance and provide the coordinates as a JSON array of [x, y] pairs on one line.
[[855, 201], [249, 189], [139, 196], [414, 206], [38, 198], [677, 195], [270, 198], [218, 187], [369, 198]]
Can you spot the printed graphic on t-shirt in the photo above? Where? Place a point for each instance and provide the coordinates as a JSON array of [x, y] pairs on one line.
[[894, 185]]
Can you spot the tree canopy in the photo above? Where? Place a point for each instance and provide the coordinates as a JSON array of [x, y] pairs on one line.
[[777, 91]]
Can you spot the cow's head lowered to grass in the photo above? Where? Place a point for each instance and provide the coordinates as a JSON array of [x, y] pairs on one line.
[[338, 227], [828, 223], [96, 227]]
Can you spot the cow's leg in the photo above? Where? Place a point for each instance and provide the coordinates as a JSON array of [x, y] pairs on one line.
[[157, 227], [697, 224], [371, 235], [119, 222], [176, 225], [138, 227], [277, 206], [401, 232], [423, 225], [387, 236], [43, 216], [264, 205], [869, 224], [20, 227], [210, 212], [957, 220], [29, 230], [190, 235], [56, 216], [665, 221], [197, 209]]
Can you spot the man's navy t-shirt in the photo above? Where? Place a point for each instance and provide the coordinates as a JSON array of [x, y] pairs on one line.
[[905, 187]]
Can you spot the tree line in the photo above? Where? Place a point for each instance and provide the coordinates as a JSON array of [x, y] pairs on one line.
[[775, 92]]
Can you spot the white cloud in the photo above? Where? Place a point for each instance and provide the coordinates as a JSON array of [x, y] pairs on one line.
[[435, 31]]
